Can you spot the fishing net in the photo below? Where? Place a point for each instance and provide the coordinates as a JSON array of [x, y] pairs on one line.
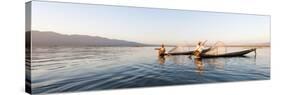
[[218, 48]]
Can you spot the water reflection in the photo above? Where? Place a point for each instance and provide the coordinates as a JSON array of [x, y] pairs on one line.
[[216, 63], [161, 59], [202, 64], [179, 59], [199, 65], [67, 69]]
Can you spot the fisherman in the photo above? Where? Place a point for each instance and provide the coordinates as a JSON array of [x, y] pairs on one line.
[[161, 50], [198, 50]]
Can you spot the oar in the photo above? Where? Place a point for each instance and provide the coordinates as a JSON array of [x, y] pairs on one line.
[[173, 49], [204, 42], [156, 48]]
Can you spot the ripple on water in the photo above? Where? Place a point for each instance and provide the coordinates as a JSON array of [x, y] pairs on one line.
[[96, 68]]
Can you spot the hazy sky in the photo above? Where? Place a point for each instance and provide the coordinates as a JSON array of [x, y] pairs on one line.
[[149, 25]]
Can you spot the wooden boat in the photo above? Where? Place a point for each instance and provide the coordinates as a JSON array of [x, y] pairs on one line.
[[232, 54], [187, 52]]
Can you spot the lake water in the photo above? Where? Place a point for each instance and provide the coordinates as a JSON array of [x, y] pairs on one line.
[[62, 69]]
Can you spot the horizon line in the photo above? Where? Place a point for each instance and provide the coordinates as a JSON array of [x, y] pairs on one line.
[[190, 43]]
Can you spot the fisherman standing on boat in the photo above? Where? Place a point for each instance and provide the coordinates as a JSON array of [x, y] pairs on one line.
[[161, 50], [198, 50]]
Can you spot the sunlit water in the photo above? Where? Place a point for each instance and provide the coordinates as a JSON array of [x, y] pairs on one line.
[[61, 69]]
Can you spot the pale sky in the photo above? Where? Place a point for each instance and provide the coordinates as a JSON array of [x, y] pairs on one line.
[[149, 25]]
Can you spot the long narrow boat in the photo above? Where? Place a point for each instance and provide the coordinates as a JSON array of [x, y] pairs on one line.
[[187, 52], [232, 54]]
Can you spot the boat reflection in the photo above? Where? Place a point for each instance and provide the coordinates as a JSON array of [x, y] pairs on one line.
[[215, 63], [178, 59], [203, 64]]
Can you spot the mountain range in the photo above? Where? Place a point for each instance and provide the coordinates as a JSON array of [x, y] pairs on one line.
[[47, 38]]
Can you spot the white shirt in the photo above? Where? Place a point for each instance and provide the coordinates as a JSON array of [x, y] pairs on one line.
[[199, 48]]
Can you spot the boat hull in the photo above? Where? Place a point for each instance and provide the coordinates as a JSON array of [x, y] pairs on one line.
[[187, 53], [232, 54]]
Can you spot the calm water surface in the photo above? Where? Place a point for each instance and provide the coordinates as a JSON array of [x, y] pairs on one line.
[[62, 69]]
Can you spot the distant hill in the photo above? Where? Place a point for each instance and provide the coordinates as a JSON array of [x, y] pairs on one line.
[[40, 38]]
